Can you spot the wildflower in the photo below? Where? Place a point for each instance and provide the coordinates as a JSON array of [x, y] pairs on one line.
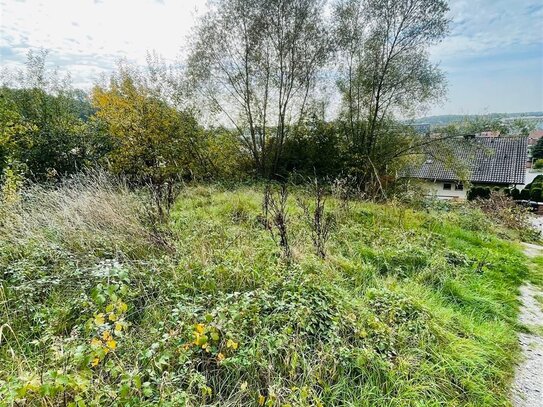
[[220, 357], [111, 344], [95, 361]]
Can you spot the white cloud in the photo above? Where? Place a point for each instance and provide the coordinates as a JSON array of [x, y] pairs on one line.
[[493, 43], [96, 33], [491, 26]]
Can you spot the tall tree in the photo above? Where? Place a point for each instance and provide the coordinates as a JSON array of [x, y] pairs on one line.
[[385, 67], [154, 142], [537, 150], [42, 121], [256, 62]]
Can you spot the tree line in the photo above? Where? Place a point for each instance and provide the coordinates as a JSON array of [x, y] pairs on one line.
[[269, 87]]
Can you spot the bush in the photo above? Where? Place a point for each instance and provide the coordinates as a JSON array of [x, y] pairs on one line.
[[535, 194], [474, 193], [537, 181], [538, 164], [479, 192], [525, 194], [505, 211], [515, 193]]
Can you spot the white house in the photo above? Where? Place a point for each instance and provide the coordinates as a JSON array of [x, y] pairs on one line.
[[488, 161]]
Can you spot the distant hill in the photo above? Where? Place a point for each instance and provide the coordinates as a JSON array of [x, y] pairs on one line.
[[455, 118]]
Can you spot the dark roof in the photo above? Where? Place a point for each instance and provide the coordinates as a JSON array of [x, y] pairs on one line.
[[496, 160]]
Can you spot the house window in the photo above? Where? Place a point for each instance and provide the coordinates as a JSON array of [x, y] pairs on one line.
[[447, 187], [459, 187]]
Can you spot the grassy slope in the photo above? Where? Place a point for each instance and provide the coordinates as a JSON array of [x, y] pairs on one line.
[[409, 308]]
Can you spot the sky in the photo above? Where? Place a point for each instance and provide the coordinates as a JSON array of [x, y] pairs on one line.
[[492, 59]]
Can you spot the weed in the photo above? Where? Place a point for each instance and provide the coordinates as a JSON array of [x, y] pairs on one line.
[[319, 221], [275, 204], [409, 307]]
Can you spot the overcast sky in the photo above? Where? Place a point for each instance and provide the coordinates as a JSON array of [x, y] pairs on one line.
[[493, 58]]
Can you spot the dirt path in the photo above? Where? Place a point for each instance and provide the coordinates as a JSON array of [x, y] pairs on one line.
[[527, 388]]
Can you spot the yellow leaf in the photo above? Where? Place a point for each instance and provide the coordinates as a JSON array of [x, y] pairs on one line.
[[220, 357], [99, 319], [261, 400], [95, 342], [95, 361], [200, 328], [118, 327], [106, 336], [231, 344], [110, 308], [111, 344], [122, 306], [112, 317]]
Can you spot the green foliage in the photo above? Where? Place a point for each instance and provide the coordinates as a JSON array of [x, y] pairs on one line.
[[538, 164], [478, 192], [535, 194], [537, 150], [153, 141], [42, 123], [102, 307]]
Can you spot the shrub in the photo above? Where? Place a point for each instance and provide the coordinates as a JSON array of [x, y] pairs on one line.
[[525, 194], [535, 194], [474, 193], [515, 193], [537, 181], [479, 192], [505, 211], [538, 164]]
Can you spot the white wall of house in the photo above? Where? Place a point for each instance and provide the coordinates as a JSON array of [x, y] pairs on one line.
[[438, 190]]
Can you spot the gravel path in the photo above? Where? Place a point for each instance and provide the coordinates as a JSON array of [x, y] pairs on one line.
[[527, 388]]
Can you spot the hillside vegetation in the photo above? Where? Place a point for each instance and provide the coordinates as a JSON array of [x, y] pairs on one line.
[[101, 304]]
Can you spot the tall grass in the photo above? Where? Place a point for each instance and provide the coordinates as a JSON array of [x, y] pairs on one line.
[[86, 213], [408, 307]]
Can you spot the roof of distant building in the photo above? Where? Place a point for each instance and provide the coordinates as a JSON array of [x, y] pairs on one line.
[[493, 160]]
